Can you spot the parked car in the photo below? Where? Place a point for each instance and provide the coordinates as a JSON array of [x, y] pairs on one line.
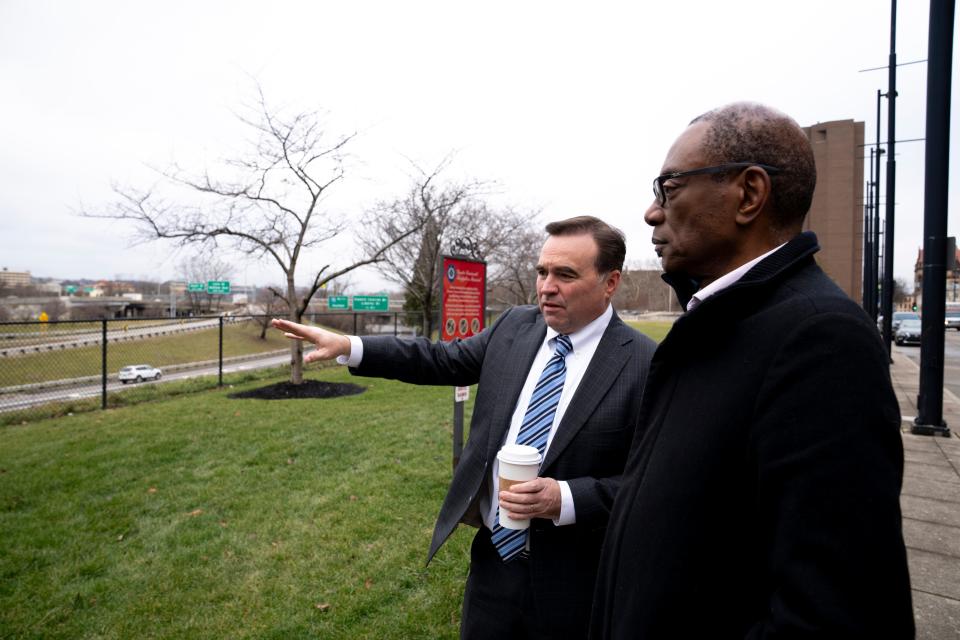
[[908, 332], [900, 316], [952, 319], [139, 373]]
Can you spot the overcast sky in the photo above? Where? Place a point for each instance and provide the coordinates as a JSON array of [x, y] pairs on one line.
[[569, 107]]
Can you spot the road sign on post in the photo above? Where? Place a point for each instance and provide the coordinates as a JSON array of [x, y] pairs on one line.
[[371, 303], [70, 289], [196, 287], [218, 287], [338, 302]]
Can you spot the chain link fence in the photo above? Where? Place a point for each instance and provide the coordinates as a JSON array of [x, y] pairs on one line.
[[53, 368]]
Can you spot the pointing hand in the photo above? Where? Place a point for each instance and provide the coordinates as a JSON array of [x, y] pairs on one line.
[[329, 345]]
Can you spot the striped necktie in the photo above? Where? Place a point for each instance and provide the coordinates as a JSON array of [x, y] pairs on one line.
[[534, 432]]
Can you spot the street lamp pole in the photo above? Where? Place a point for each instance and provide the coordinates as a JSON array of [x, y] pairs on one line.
[[876, 219], [887, 302], [929, 420]]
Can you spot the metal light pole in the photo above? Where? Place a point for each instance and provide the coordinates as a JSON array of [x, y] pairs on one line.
[[887, 302], [876, 220], [929, 420], [867, 241]]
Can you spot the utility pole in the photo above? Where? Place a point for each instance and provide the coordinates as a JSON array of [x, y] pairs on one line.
[[929, 420]]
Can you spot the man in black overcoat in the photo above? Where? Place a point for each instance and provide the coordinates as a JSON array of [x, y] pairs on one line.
[[546, 590], [762, 500]]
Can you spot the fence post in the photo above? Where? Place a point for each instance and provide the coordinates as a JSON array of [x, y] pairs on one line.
[[220, 358], [103, 369], [396, 315]]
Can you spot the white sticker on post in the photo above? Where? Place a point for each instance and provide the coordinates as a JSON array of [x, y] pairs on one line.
[[461, 394]]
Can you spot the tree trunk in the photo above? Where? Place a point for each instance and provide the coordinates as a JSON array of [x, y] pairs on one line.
[[296, 346]]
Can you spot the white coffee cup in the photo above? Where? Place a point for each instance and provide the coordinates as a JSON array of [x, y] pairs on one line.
[[518, 463]]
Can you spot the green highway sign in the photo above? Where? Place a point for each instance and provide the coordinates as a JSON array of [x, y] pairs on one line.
[[370, 303], [88, 289], [218, 286], [70, 288], [338, 302], [196, 287]]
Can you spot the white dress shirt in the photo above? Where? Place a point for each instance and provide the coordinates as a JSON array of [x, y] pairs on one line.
[[584, 343]]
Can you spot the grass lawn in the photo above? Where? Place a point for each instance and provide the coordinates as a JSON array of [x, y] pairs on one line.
[[207, 517], [238, 339], [202, 516], [655, 330]]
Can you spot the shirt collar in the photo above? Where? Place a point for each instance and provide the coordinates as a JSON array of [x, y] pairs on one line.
[[726, 280], [592, 331]]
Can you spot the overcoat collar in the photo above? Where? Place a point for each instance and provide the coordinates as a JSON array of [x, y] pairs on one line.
[[800, 247]]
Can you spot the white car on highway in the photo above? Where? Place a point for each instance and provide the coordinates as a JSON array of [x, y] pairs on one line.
[[139, 373]]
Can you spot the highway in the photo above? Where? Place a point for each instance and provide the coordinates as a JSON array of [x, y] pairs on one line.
[[16, 344], [24, 400]]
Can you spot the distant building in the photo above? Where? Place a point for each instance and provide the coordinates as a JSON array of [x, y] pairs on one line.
[[836, 215], [953, 280], [15, 278]]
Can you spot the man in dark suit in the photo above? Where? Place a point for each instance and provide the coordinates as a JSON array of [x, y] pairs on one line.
[[761, 496], [540, 584]]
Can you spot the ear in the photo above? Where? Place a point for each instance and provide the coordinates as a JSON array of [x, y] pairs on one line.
[[611, 282], [755, 189]]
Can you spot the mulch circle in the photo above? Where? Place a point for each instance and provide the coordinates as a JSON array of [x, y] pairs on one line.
[[308, 389]]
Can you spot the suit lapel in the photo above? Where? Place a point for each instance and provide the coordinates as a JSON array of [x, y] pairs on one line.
[[604, 369], [524, 349]]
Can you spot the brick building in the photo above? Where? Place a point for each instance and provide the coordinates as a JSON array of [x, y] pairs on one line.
[[836, 215]]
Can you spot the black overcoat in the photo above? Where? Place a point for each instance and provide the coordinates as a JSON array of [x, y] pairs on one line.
[[762, 500]]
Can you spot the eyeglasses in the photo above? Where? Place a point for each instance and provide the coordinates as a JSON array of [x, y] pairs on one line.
[[720, 168]]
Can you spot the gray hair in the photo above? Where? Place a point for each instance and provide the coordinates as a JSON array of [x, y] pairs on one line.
[[751, 132]]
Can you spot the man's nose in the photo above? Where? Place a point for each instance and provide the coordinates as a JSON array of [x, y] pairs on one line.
[[548, 285], [654, 214]]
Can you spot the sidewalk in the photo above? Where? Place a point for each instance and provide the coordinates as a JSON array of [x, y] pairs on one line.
[[930, 502]]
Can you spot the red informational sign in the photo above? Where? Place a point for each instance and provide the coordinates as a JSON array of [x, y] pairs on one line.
[[464, 298]]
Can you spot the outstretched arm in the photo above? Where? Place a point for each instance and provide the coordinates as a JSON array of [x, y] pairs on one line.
[[329, 345]]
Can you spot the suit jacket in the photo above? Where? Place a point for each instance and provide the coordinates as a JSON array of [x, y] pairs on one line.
[[588, 449], [763, 499]]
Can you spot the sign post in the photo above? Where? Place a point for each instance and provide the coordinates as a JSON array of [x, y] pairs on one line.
[[463, 302]]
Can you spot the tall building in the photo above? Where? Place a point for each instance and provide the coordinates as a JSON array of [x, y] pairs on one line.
[[836, 215], [15, 278]]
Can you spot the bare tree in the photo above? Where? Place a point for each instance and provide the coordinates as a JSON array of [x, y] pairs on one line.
[[513, 273], [204, 267], [265, 202], [54, 308], [266, 304], [442, 212]]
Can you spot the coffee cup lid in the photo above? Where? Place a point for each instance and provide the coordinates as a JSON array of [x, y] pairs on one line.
[[519, 454]]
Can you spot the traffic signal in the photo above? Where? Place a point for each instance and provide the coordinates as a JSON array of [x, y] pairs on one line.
[[914, 306]]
